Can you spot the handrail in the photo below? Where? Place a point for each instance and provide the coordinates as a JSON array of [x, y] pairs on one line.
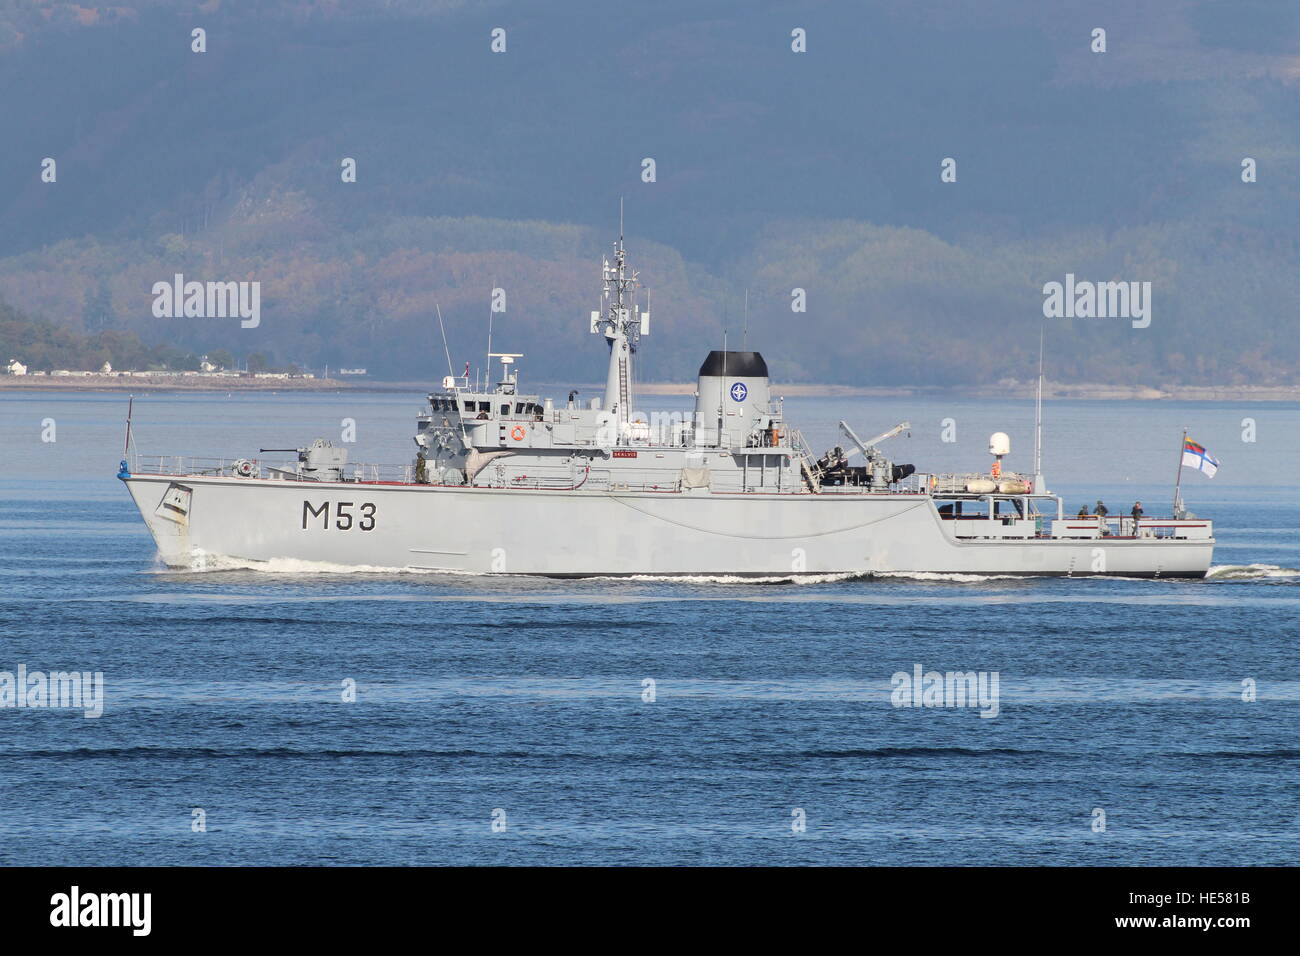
[[181, 466], [807, 462]]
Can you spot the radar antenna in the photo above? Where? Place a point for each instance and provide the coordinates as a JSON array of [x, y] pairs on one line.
[[622, 322]]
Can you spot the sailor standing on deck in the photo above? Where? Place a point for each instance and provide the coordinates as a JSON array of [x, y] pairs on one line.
[[1101, 510], [1137, 516]]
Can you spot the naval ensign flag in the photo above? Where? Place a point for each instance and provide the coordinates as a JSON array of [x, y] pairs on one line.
[[1195, 456]]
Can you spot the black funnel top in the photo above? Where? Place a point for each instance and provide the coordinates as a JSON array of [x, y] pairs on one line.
[[739, 364]]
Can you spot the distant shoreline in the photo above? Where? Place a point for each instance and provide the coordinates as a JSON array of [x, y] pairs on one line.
[[1051, 390], [163, 383]]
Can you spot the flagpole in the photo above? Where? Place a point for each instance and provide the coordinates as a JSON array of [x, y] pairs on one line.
[[1039, 484], [489, 333], [1178, 482]]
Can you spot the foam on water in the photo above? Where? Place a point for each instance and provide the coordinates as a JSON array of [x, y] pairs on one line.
[[954, 577], [1252, 572], [732, 578], [203, 563]]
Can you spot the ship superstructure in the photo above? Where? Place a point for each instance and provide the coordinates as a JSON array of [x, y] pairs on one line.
[[509, 482]]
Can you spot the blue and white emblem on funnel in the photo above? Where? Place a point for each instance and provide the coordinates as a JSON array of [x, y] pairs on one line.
[[739, 391]]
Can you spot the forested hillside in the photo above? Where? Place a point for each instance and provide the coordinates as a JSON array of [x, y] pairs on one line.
[[775, 171]]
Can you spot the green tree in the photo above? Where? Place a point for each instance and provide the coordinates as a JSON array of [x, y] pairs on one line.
[[99, 308]]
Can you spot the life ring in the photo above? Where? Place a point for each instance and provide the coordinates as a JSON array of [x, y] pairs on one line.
[[517, 433]]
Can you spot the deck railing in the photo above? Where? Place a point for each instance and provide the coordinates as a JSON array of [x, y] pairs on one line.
[[195, 467]]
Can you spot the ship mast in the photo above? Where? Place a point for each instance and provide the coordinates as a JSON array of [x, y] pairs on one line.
[[622, 323], [1040, 485]]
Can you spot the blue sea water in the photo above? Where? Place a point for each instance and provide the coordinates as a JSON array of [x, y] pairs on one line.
[[522, 699]]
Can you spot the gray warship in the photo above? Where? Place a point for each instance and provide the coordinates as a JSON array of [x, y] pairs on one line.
[[505, 482]]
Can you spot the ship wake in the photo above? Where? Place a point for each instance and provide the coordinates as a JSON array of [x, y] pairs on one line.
[[203, 563], [733, 578], [1253, 572]]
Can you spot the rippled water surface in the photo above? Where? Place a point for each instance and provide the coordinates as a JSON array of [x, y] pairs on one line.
[[526, 698]]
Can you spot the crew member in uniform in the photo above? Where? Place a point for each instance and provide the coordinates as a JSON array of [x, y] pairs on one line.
[[1101, 511]]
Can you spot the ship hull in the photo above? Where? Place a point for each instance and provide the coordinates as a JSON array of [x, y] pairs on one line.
[[580, 533]]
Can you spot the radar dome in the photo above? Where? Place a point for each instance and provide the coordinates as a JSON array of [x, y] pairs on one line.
[[999, 444]]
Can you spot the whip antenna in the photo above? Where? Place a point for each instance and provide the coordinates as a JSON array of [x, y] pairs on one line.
[[442, 328]]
